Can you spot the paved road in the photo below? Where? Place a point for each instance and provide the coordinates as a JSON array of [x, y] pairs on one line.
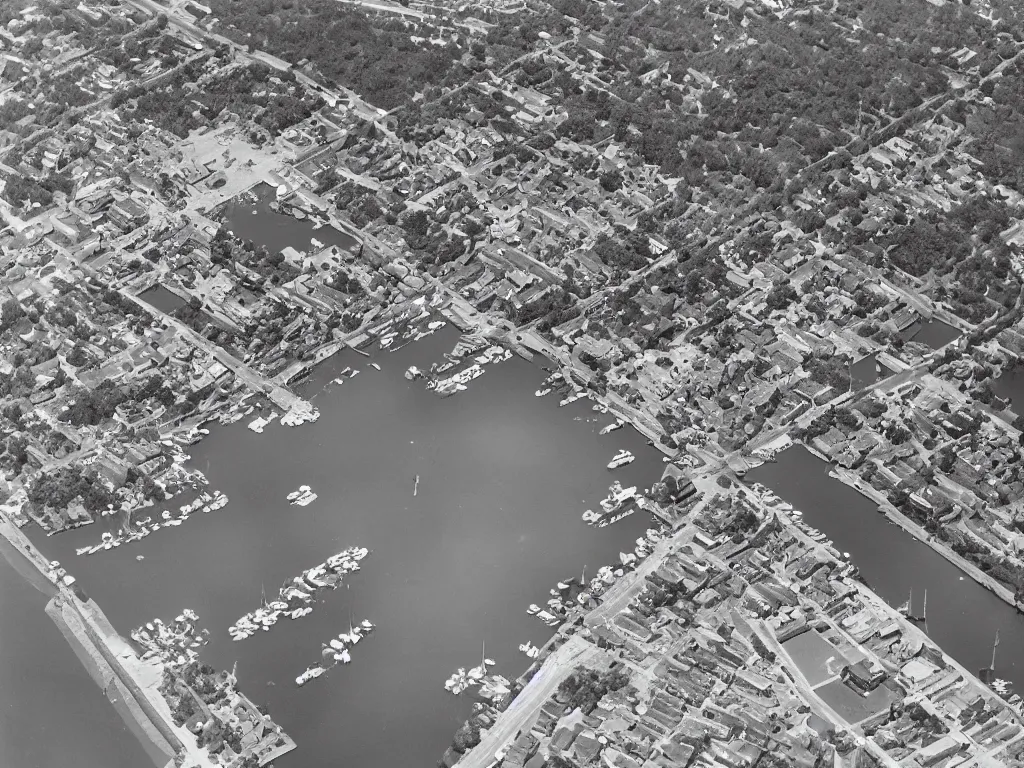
[[527, 704], [281, 396]]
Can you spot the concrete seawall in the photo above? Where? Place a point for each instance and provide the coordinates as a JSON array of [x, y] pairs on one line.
[[160, 751], [97, 646]]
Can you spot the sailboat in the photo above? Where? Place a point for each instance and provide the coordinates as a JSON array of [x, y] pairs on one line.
[[988, 675], [476, 673], [907, 609], [904, 610], [923, 617]]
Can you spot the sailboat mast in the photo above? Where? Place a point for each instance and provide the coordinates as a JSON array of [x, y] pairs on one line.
[[995, 645], [924, 611]]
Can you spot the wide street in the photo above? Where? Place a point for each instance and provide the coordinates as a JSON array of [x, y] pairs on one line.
[[575, 652]]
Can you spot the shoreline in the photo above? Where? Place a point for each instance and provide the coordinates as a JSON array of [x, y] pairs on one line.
[[94, 651], [849, 478], [896, 517], [159, 750]]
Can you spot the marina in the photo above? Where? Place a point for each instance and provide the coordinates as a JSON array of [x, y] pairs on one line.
[[294, 597], [517, 531]]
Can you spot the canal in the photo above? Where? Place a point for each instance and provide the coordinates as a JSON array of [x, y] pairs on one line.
[[962, 616], [51, 711], [504, 479]]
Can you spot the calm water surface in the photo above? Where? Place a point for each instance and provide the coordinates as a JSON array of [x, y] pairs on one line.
[[962, 616], [504, 478], [51, 712], [257, 222], [163, 299], [935, 333], [1010, 386], [867, 371]]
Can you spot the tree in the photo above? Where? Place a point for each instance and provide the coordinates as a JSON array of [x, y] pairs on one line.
[[10, 313], [467, 737], [584, 688], [611, 181]]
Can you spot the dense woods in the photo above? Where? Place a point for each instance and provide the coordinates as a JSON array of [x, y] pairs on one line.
[[341, 46]]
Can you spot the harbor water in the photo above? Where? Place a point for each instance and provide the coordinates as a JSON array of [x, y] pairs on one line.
[[51, 711], [1010, 386], [962, 616], [251, 218], [504, 478], [935, 333]]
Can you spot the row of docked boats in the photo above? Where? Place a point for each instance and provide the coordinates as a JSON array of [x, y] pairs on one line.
[[464, 679], [337, 651], [601, 520], [296, 594], [140, 529], [175, 644], [411, 329], [456, 382], [614, 506], [770, 501], [473, 347], [577, 591], [493, 354], [302, 497]]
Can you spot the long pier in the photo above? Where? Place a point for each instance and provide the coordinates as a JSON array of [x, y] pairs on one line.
[[130, 683]]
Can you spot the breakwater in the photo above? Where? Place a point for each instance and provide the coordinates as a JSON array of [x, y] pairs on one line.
[[160, 749], [88, 647]]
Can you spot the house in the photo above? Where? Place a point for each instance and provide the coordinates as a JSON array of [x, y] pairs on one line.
[[861, 677], [127, 214]]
